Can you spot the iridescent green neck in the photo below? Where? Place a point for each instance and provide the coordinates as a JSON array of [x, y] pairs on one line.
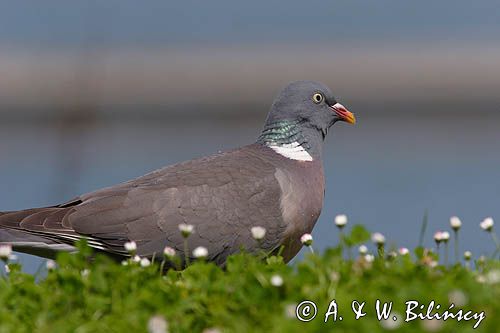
[[283, 132]]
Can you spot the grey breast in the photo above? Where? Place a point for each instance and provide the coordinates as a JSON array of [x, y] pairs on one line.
[[302, 187]]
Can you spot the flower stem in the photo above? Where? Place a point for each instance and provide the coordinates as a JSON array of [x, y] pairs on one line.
[[381, 250], [497, 243], [446, 254], [162, 266], [437, 251], [456, 246], [341, 241], [186, 253]]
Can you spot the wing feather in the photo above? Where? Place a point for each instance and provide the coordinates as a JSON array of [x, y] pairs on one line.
[[223, 196]]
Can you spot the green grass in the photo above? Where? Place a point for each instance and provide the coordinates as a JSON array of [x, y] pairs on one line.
[[99, 295]]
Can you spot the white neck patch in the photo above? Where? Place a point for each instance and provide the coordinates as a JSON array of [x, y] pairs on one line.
[[293, 151]]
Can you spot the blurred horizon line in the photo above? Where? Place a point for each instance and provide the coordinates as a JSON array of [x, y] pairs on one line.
[[215, 81]]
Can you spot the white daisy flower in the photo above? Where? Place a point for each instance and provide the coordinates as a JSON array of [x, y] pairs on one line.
[[258, 233], [432, 325], [390, 323], [200, 252], [438, 237], [378, 238], [276, 280], [458, 297], [403, 251], [306, 239], [168, 252], [5, 251], [493, 276], [455, 223], [341, 220], [130, 247], [186, 229], [369, 257], [487, 224], [50, 265], [392, 254], [145, 262], [363, 249], [157, 324]]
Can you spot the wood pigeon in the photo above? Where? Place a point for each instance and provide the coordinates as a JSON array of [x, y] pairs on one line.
[[276, 183]]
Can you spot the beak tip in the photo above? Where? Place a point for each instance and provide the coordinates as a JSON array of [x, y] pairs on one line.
[[344, 114], [352, 120]]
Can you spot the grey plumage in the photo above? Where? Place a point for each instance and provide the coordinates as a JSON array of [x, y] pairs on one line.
[[222, 195]]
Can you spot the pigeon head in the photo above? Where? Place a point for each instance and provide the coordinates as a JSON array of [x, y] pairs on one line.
[[311, 103], [300, 117]]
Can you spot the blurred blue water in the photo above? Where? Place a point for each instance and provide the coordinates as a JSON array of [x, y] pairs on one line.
[[385, 172]]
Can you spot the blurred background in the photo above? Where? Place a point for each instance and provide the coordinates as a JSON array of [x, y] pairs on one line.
[[93, 93]]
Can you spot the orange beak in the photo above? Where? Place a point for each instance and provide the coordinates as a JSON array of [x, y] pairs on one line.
[[344, 114]]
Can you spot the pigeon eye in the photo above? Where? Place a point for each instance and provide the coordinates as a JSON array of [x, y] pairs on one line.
[[318, 98]]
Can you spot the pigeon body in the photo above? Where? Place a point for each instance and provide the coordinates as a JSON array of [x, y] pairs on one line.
[[276, 183]]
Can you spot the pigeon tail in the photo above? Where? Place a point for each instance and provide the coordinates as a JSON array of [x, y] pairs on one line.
[[29, 241], [22, 241]]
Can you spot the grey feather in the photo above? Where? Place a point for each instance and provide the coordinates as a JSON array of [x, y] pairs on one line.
[[223, 196]]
